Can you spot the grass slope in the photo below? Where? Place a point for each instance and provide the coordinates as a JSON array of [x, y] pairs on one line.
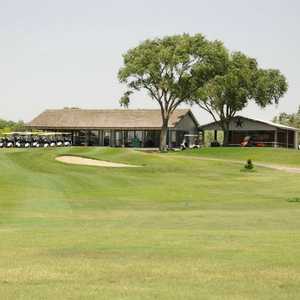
[[288, 157], [174, 229]]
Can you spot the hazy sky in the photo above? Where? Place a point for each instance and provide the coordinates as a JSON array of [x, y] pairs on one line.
[[57, 53]]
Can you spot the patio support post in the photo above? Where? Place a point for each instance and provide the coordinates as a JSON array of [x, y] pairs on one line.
[[296, 140], [99, 138], [276, 138], [86, 141], [110, 138], [143, 138]]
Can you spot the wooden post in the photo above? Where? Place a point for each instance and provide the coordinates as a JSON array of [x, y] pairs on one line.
[[102, 138], [296, 140], [143, 138], [276, 138], [86, 142], [112, 138], [287, 138]]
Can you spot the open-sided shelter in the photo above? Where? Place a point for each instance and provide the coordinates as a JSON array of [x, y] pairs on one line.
[[265, 133]]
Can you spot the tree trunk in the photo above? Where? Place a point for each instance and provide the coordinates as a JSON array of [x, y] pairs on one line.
[[226, 138], [163, 136], [226, 134]]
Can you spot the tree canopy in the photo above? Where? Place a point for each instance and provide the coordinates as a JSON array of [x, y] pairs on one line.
[[7, 126], [243, 81], [191, 69], [171, 69]]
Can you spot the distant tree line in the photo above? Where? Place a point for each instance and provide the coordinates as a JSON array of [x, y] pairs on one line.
[[292, 119], [8, 126]]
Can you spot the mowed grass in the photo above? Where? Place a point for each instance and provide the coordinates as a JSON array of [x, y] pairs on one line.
[[279, 156], [176, 228]]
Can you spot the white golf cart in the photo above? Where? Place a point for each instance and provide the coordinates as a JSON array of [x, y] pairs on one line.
[[2, 142], [191, 141], [9, 140], [63, 139], [23, 139]]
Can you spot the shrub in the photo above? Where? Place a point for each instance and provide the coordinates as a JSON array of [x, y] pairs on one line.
[[249, 165], [295, 199]]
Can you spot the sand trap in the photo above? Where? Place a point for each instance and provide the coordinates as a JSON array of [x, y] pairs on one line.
[[77, 160]]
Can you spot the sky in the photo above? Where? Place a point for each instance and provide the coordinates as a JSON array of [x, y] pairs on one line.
[[59, 53]]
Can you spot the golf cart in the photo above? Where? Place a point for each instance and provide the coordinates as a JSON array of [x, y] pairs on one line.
[[36, 140], [51, 139], [45, 140], [9, 140], [26, 139], [22, 139], [19, 140], [2, 142], [48, 139], [63, 139], [191, 141], [67, 138]]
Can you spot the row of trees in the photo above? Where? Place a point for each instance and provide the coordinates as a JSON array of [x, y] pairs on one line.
[[8, 126], [292, 119], [191, 69]]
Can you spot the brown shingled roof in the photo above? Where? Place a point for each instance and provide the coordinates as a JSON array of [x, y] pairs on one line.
[[75, 118]]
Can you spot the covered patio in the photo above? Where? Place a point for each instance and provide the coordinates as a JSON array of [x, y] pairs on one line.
[[263, 133], [116, 137], [116, 127]]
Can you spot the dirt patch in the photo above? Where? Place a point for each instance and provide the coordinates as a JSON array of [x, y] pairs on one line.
[[77, 160], [280, 168]]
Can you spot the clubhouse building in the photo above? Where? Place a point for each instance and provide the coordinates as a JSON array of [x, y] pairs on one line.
[[141, 128], [116, 127]]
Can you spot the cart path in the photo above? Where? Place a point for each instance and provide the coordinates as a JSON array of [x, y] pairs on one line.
[[77, 160], [264, 165]]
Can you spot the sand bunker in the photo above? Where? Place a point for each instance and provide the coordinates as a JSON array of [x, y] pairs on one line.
[[76, 160]]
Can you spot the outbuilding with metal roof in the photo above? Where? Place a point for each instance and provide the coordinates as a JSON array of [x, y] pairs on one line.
[[262, 133]]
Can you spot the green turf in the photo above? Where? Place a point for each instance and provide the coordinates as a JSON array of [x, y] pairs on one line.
[[289, 157], [176, 228]]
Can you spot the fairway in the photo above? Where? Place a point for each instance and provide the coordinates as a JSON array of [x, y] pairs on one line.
[[174, 228]]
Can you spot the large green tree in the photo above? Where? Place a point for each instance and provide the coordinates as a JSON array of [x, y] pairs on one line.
[[171, 69], [225, 95]]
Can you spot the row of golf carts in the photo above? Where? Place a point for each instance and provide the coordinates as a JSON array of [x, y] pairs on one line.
[[35, 139]]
